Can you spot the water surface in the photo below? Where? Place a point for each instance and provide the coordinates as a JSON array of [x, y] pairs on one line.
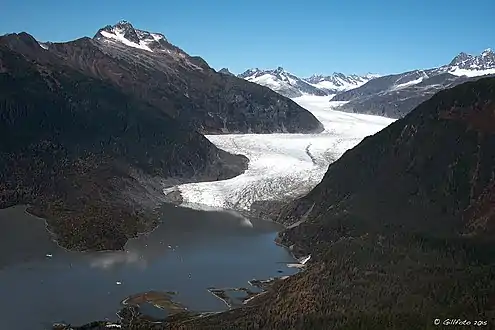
[[188, 253]]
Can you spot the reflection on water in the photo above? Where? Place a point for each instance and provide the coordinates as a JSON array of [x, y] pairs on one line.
[[110, 259], [190, 252]]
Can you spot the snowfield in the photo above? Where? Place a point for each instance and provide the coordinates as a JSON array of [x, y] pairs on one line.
[[282, 165]]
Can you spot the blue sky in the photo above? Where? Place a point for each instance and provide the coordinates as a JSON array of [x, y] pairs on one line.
[[304, 37]]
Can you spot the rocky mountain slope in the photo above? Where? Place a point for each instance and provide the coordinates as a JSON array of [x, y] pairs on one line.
[[87, 156], [400, 229], [395, 95], [147, 66], [291, 86]]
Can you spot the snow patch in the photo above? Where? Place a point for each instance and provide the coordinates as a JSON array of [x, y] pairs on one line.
[[343, 86], [117, 35], [157, 37], [305, 260], [409, 83], [471, 73], [266, 80]]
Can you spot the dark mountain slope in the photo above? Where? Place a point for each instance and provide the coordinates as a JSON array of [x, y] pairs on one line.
[[400, 229], [183, 86], [85, 155], [395, 96], [438, 163]]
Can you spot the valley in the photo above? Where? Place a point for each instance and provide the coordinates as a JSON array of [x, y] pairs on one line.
[[89, 155], [141, 188], [282, 166]]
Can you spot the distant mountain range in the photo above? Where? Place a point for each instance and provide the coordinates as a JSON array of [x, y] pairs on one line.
[[291, 86], [397, 94], [338, 82], [391, 95]]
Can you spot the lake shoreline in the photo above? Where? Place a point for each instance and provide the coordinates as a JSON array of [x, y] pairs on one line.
[[54, 238], [246, 302], [158, 260]]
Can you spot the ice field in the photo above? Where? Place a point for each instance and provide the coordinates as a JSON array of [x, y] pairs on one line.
[[283, 165]]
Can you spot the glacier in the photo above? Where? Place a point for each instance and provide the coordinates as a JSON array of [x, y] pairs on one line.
[[282, 166]]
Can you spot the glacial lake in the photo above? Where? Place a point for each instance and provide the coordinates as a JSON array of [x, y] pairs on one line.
[[188, 253]]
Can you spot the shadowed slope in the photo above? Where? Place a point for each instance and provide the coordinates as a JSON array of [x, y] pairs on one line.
[[78, 149]]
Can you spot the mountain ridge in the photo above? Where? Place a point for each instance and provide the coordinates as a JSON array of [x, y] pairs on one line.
[[390, 95], [282, 82], [396, 94], [293, 86], [184, 86]]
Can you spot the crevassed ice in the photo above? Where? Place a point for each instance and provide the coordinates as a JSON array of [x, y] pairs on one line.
[[283, 165]]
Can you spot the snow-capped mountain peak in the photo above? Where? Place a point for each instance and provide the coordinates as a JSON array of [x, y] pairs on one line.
[[249, 73], [144, 46], [460, 59], [395, 95], [279, 71], [281, 81], [338, 82], [126, 34], [468, 65], [487, 52], [292, 86]]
